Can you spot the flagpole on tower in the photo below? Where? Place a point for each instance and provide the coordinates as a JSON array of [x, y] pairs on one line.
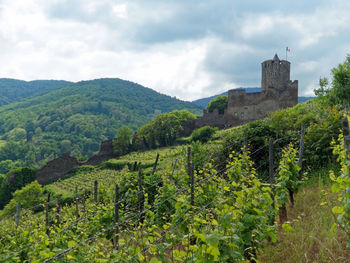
[[287, 50], [286, 53]]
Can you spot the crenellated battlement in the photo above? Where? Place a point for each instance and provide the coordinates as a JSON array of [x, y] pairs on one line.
[[277, 92]]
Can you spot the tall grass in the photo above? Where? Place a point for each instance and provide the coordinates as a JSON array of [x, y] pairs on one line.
[[311, 238]]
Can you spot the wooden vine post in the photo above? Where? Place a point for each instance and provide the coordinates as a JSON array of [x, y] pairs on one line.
[[346, 136], [189, 160], [301, 150], [271, 157], [172, 174], [190, 172], [116, 217], [58, 209], [192, 185], [47, 222], [18, 213], [155, 164], [76, 203], [95, 191], [141, 197], [245, 142]]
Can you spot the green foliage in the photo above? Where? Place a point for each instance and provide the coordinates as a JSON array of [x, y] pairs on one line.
[[29, 196], [184, 115], [342, 185], [257, 135], [322, 124], [323, 89], [228, 222], [122, 142], [203, 134], [13, 90], [162, 131], [76, 118], [341, 82], [219, 103], [14, 180], [287, 180]]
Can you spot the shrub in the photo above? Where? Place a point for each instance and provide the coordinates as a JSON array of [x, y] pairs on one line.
[[28, 196], [219, 103], [203, 134]]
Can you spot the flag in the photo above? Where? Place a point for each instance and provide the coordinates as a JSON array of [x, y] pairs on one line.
[[287, 49]]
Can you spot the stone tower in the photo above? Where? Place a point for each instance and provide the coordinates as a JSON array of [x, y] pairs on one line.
[[277, 92], [275, 74]]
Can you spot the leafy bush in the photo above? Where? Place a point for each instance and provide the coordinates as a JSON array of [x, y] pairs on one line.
[[14, 180], [122, 143], [203, 134], [219, 103], [341, 184], [28, 196], [162, 131]]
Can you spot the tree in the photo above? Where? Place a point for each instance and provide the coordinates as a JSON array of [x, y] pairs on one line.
[[28, 196], [14, 180], [341, 82], [219, 103], [162, 131], [323, 89], [183, 115], [122, 143]]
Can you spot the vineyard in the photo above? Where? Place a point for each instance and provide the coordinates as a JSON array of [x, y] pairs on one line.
[[178, 204]]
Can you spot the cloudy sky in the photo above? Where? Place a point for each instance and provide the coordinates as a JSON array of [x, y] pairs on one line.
[[184, 48]]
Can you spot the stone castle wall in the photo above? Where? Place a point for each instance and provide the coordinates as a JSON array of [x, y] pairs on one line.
[[61, 166], [277, 92]]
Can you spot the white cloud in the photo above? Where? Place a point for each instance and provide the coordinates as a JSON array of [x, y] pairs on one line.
[[184, 49]]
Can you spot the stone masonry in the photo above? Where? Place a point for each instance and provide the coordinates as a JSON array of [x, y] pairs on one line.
[[277, 92]]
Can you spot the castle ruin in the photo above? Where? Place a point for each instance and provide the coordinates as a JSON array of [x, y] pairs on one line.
[[277, 92]]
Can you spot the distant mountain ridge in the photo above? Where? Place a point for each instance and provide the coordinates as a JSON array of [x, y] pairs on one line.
[[13, 90], [204, 101]]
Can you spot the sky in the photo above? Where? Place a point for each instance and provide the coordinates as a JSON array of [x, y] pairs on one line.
[[187, 49]]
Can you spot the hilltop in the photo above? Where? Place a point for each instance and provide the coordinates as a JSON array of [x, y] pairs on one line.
[[203, 102], [73, 117], [13, 90]]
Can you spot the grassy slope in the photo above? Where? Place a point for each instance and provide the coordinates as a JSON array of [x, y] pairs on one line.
[[105, 173], [311, 239]]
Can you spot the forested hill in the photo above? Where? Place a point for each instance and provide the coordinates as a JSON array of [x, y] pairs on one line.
[[75, 119], [12, 90]]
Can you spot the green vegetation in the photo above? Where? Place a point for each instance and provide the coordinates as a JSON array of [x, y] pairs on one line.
[[76, 118], [219, 103], [342, 185], [13, 181], [287, 181], [13, 90], [162, 131], [29, 196], [311, 236], [219, 208], [122, 143], [203, 134]]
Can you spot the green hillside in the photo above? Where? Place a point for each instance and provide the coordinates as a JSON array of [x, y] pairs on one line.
[[232, 217], [273, 190], [13, 90], [76, 118]]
